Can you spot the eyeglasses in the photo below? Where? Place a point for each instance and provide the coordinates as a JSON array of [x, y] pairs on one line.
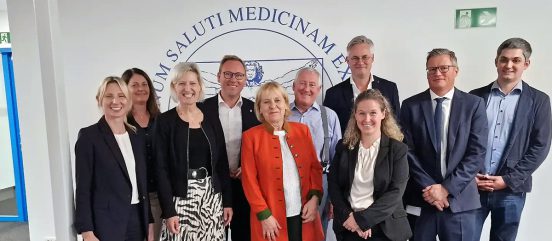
[[237, 75], [443, 69], [364, 58]]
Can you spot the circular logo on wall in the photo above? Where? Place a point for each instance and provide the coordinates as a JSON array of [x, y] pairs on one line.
[[273, 43]]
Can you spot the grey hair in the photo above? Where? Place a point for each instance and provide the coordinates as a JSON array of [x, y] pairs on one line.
[[307, 69], [437, 52], [361, 39]]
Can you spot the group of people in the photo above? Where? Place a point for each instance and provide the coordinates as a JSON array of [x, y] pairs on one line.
[[279, 170]]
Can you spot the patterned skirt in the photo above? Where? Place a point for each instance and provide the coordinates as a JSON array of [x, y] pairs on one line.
[[200, 214]]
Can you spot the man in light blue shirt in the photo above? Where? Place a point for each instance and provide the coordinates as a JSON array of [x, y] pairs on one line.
[[519, 140], [304, 109]]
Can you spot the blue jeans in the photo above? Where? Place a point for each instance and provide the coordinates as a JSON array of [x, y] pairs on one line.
[[505, 208]]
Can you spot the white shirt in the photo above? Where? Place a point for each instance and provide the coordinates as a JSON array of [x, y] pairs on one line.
[[128, 155], [444, 132], [292, 184], [357, 91], [231, 121], [362, 190]]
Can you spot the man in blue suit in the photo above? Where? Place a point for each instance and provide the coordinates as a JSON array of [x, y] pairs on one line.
[[340, 97], [519, 140], [446, 132]]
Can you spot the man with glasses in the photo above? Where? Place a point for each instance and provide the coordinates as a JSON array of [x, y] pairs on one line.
[[360, 57], [446, 132], [518, 142], [236, 115], [323, 125]]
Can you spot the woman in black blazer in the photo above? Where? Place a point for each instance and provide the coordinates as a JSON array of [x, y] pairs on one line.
[[369, 173], [111, 194], [193, 178]]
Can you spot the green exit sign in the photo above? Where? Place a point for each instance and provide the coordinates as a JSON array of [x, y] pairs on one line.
[[5, 38], [475, 18]]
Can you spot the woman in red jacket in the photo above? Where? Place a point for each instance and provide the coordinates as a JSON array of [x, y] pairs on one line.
[[282, 178]]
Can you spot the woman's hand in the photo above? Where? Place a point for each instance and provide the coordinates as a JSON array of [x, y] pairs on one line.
[[310, 209], [89, 236], [228, 213], [173, 224], [350, 224], [150, 232], [270, 228], [366, 234]]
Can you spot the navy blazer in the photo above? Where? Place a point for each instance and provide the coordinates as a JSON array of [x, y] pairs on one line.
[[211, 105], [390, 178], [103, 191], [340, 98], [465, 151], [529, 140]]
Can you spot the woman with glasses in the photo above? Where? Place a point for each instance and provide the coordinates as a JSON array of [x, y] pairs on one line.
[[192, 174]]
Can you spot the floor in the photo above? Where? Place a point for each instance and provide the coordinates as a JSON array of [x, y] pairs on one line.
[[12, 231]]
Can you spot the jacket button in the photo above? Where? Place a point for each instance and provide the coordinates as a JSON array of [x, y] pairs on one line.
[[295, 155], [290, 146]]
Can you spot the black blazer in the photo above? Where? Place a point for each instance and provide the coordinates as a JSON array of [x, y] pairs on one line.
[[340, 98], [390, 178], [210, 107], [529, 140], [171, 153], [104, 191]]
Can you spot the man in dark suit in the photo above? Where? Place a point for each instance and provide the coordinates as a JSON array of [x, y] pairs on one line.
[[236, 115], [360, 57], [518, 142], [446, 132]]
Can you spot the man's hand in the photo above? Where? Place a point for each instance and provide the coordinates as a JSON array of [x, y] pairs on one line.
[[365, 235], [236, 174], [436, 195], [89, 236], [310, 209], [351, 224], [490, 183], [227, 215]]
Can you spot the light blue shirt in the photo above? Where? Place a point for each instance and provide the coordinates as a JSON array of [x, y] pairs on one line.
[[313, 119], [501, 110]]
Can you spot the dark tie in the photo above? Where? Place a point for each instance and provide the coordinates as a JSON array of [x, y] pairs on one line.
[[438, 121]]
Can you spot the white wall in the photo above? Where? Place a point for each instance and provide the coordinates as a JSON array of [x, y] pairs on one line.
[[104, 38], [6, 163]]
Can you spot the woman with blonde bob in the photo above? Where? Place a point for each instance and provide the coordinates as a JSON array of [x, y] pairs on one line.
[[192, 173], [281, 174], [111, 198], [369, 174]]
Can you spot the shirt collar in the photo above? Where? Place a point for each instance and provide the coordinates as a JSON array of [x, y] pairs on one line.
[[369, 83], [519, 86], [375, 144], [448, 95], [315, 106], [221, 101]]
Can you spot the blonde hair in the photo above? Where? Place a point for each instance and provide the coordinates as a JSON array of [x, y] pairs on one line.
[[124, 88], [389, 125], [268, 87], [176, 73]]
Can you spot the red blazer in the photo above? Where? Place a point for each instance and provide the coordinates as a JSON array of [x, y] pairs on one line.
[[262, 176]]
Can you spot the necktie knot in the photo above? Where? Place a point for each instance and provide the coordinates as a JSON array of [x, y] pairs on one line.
[[440, 100]]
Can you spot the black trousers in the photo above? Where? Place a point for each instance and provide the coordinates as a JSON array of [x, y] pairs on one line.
[[240, 225], [135, 231], [294, 225]]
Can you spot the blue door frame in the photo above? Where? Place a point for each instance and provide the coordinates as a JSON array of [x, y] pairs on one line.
[[15, 139]]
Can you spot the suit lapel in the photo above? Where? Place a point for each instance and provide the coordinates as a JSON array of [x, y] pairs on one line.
[[139, 160], [352, 164], [427, 110], [381, 170], [523, 109], [348, 96], [454, 120], [109, 138], [246, 111]]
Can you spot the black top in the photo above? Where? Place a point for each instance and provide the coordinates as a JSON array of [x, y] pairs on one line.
[[147, 132], [172, 146], [199, 150]]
